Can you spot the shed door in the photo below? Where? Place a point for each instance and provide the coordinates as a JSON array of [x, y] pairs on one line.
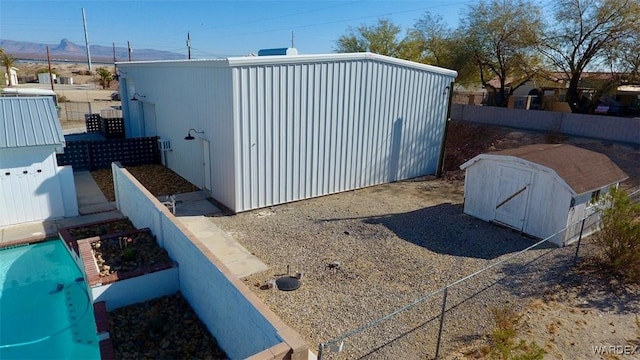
[[29, 194], [512, 196]]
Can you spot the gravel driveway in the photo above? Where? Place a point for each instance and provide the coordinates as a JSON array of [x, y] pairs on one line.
[[369, 252]]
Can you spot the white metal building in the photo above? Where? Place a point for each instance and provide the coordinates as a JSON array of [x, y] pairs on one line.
[[32, 185], [540, 189], [275, 129]]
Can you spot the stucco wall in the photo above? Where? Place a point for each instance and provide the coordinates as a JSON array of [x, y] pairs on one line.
[[242, 325], [610, 128]]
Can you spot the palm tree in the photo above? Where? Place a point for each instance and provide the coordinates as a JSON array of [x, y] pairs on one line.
[[7, 61]]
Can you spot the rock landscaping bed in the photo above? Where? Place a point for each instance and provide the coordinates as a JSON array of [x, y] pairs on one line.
[[100, 228], [158, 179], [164, 328], [128, 252]]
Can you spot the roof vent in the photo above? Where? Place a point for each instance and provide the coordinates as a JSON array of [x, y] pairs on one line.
[[280, 51]]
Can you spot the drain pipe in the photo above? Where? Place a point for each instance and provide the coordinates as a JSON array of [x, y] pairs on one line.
[[440, 167]]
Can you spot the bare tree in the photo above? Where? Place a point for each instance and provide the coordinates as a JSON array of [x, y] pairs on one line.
[[583, 37]]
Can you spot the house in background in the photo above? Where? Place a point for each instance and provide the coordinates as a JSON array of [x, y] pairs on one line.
[[32, 185], [540, 189], [11, 79], [267, 130]]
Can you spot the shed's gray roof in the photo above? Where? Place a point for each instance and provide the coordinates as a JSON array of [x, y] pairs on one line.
[[29, 121], [583, 170]]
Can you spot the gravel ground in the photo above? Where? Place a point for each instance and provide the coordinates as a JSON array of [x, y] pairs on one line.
[[394, 243]]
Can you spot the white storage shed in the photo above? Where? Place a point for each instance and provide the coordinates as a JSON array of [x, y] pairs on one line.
[[540, 189], [32, 185], [275, 129]]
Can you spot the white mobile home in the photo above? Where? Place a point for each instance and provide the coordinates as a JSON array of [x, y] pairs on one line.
[[540, 189], [275, 129], [32, 185]]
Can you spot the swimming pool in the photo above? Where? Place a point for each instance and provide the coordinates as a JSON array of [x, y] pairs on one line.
[[45, 310]]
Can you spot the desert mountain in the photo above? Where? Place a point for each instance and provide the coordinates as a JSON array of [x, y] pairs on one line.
[[67, 50]]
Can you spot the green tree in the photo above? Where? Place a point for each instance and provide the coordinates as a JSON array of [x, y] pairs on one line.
[[434, 37], [7, 62], [106, 77], [381, 38], [583, 34], [501, 36], [441, 46], [619, 236]]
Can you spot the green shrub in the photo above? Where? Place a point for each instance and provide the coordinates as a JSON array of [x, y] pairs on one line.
[[619, 237], [504, 344]]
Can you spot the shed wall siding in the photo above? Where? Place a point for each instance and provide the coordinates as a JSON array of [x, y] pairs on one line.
[[478, 190], [26, 194], [548, 207], [305, 130], [547, 204], [199, 97]]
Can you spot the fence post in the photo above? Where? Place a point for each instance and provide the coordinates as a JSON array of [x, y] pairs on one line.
[[444, 307], [575, 258], [320, 350]]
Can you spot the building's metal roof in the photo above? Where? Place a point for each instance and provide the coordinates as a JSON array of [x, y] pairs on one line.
[[291, 59], [583, 170], [29, 121]]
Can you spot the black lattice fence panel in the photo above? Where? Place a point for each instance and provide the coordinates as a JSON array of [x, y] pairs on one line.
[[93, 122], [108, 127], [93, 155], [112, 127], [77, 154]]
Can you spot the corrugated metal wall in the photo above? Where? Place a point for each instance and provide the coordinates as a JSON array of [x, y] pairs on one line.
[[309, 129], [184, 95]]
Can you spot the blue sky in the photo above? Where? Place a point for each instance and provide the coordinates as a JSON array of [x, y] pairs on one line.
[[218, 28]]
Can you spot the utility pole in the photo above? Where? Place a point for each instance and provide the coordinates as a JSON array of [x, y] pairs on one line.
[[129, 50], [115, 69], [50, 74], [189, 46], [86, 38], [292, 40]]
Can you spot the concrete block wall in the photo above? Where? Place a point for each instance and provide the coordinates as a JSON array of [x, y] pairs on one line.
[[243, 326], [610, 128]]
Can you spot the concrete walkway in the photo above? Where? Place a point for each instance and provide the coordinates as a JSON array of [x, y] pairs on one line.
[[39, 229], [233, 255], [91, 200], [191, 211]]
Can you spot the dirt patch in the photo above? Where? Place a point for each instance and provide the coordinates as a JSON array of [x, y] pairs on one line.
[[466, 140], [158, 179]]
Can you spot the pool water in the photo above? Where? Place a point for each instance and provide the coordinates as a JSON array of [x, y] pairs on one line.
[[45, 309]]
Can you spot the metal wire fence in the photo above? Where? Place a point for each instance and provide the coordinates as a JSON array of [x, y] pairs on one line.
[[449, 318]]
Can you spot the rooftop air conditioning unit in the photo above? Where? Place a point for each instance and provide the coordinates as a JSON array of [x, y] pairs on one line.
[[164, 144]]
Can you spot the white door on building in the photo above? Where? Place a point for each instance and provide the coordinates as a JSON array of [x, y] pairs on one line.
[[512, 194], [206, 164], [149, 119]]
